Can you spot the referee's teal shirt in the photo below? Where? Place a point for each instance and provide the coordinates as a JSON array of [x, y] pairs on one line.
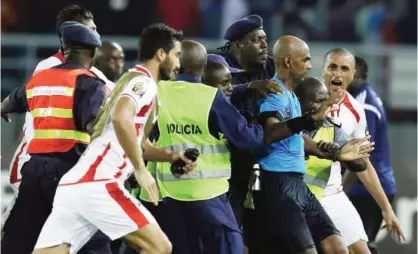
[[288, 154]]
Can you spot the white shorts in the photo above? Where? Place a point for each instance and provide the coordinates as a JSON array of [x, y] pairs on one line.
[[345, 217], [80, 210]]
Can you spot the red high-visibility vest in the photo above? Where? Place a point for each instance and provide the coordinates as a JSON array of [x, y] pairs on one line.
[[50, 95]]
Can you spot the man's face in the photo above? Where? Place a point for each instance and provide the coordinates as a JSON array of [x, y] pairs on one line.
[[254, 47], [313, 99], [338, 71], [300, 63], [171, 65], [222, 79], [115, 62]]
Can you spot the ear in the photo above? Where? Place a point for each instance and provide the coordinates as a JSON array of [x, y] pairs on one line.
[[161, 55], [354, 73], [287, 61]]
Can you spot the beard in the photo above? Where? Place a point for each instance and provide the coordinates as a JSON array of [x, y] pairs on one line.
[[165, 71], [165, 74]]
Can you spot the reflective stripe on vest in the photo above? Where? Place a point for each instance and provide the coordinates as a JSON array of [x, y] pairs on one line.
[[56, 112], [184, 104], [312, 180], [49, 90], [220, 148], [62, 134], [50, 95], [318, 170], [195, 175]]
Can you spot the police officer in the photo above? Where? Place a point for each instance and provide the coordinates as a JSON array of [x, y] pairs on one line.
[[218, 74], [63, 100], [246, 49]]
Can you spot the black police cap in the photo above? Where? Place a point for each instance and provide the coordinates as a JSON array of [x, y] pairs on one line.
[[77, 34], [242, 27]]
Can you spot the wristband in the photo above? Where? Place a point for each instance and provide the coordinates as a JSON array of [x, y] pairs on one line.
[[304, 122], [335, 153]]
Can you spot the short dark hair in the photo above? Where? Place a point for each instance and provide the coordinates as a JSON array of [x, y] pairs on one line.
[[208, 77], [308, 83], [155, 37], [362, 68], [73, 12]]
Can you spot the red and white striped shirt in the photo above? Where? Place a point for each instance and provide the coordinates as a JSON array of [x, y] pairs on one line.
[[104, 159], [353, 121]]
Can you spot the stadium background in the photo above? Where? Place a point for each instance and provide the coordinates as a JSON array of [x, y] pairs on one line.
[[383, 32]]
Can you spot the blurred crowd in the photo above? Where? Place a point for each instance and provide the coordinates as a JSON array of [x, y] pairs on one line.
[[368, 21]]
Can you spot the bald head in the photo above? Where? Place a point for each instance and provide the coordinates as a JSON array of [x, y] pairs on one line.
[[193, 57], [110, 59], [311, 93], [288, 45], [291, 57]]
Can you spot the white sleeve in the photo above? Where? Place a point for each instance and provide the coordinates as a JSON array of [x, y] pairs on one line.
[[47, 63], [361, 130], [141, 90]]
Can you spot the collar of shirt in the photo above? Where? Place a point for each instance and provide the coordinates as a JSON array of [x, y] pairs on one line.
[[188, 78], [281, 84], [71, 64]]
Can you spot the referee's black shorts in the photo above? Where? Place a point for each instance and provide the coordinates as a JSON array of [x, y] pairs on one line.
[[291, 219]]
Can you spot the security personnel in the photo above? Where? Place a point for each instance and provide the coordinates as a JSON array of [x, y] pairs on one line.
[[63, 101], [218, 74], [246, 49]]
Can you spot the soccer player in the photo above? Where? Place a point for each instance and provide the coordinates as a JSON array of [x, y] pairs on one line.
[[338, 72], [91, 195]]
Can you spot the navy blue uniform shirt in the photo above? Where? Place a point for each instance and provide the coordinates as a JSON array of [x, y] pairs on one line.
[[246, 103], [224, 118], [89, 94], [378, 130]]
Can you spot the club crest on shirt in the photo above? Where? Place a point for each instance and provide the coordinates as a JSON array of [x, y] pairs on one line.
[[139, 89]]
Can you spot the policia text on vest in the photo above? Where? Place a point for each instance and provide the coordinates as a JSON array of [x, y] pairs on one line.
[[185, 129]]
